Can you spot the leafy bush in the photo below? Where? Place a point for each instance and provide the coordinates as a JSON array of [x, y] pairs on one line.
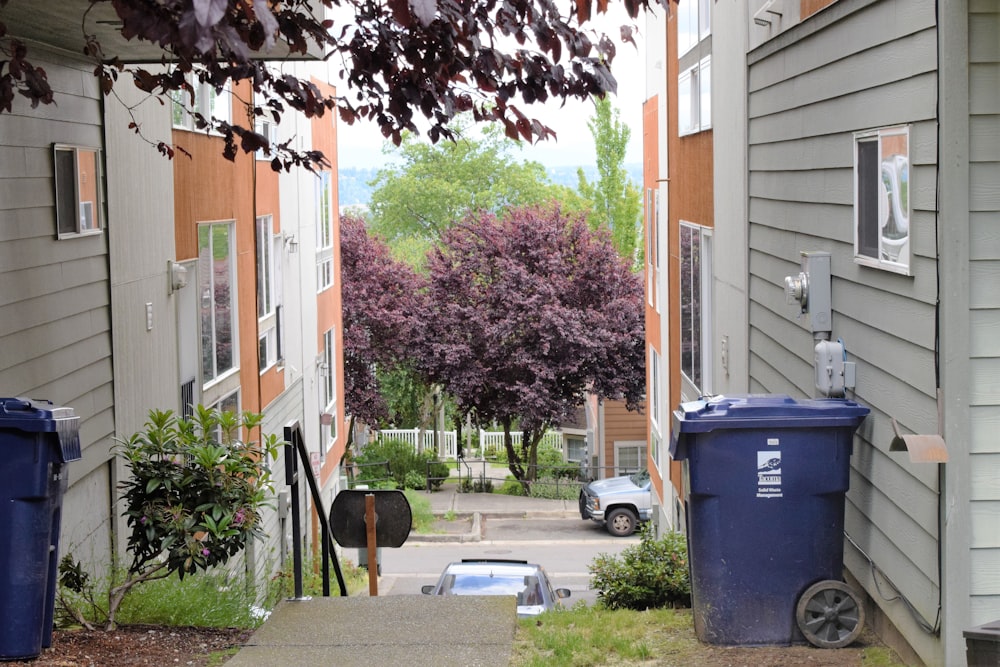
[[414, 480], [192, 499], [552, 490], [512, 487], [649, 575], [405, 465]]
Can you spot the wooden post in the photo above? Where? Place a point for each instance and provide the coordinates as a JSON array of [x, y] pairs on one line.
[[370, 518]]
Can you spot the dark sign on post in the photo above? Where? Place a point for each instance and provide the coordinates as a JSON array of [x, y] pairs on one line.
[[393, 518]]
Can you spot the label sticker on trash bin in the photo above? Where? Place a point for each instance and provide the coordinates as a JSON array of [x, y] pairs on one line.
[[769, 474]]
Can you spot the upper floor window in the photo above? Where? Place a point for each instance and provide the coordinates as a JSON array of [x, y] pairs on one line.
[[328, 383], [78, 190], [695, 294], [217, 286], [324, 231], [208, 102], [882, 198], [268, 293], [694, 98], [694, 23], [653, 247], [267, 128]]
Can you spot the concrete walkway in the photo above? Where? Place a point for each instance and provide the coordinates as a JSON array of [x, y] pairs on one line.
[[412, 630]]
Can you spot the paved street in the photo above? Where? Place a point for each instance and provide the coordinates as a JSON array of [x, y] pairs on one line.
[[563, 545]]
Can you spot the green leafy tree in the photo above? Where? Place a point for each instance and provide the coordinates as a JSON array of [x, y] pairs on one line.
[[615, 200], [435, 186]]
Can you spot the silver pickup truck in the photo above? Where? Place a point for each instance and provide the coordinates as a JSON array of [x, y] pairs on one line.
[[620, 502]]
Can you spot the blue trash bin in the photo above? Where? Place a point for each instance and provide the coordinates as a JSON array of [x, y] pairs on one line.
[[36, 440], [764, 480]]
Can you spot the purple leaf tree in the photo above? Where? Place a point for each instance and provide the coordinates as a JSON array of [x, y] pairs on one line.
[[532, 310], [382, 301]]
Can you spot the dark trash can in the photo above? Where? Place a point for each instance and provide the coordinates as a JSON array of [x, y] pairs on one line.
[[764, 481], [982, 645], [36, 440]]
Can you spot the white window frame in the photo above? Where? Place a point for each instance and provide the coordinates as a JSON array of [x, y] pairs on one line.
[[873, 245], [76, 216], [694, 23], [701, 384], [324, 231], [694, 98], [207, 287], [654, 394], [233, 399], [641, 455], [266, 127], [268, 294], [328, 386], [207, 102]]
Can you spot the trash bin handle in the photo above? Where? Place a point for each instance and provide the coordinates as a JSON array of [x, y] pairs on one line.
[[19, 404]]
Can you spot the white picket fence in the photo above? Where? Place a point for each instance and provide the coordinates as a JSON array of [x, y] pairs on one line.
[[422, 440], [490, 442]]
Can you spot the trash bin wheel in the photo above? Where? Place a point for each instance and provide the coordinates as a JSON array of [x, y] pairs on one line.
[[830, 614]]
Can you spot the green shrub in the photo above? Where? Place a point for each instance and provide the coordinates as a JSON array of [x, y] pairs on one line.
[[404, 463], [512, 487], [481, 485], [649, 575], [414, 480], [550, 489]]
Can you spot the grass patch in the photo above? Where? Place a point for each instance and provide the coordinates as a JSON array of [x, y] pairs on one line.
[[420, 509], [591, 636], [204, 600], [588, 636]]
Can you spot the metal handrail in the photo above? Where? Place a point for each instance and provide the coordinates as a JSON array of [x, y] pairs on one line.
[[294, 442]]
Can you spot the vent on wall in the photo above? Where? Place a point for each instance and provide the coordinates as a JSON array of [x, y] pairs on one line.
[[187, 399], [761, 17]]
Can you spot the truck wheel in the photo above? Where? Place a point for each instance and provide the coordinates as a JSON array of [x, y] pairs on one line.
[[622, 522]]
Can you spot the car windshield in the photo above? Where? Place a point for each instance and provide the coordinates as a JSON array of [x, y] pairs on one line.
[[486, 584], [640, 477]]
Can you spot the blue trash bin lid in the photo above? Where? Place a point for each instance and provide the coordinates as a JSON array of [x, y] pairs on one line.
[[40, 416], [743, 411]]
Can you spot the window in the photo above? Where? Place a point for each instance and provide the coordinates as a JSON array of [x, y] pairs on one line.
[[324, 231], [328, 383], [630, 457], [268, 293], [882, 199], [653, 247], [695, 288], [694, 98], [267, 128], [207, 102], [654, 402], [77, 173], [230, 403], [217, 285], [576, 449], [694, 23]]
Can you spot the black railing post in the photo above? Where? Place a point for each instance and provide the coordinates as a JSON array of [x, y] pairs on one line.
[[292, 479]]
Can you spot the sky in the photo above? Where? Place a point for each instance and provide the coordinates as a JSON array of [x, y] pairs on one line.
[[360, 144]]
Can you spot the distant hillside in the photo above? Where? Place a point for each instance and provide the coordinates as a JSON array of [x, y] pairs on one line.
[[356, 191]]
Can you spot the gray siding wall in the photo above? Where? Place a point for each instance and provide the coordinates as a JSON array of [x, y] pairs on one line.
[[984, 305], [857, 65], [55, 319]]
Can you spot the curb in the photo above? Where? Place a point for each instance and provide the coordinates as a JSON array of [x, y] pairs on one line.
[[475, 534]]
